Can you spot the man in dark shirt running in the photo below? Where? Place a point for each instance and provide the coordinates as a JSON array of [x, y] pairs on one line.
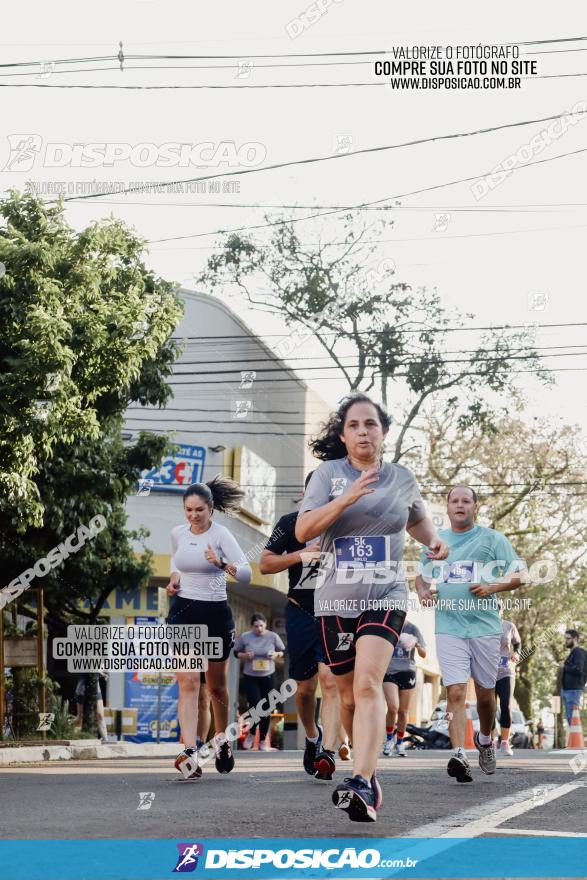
[[574, 673], [306, 663]]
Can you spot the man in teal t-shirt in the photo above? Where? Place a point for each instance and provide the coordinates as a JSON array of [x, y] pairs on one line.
[[481, 562]]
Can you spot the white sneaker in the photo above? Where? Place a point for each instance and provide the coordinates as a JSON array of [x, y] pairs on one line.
[[204, 751], [263, 747], [506, 749], [387, 747], [249, 741], [400, 750]]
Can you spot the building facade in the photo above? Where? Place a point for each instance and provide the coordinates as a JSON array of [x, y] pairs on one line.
[[237, 410]]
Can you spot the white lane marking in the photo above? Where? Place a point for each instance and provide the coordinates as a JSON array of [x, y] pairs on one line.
[[491, 821], [539, 833], [485, 824], [480, 818]]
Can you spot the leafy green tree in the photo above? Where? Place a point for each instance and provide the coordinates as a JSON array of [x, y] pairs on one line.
[[378, 331], [85, 330]]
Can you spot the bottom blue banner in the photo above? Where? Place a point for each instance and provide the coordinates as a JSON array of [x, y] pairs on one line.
[[300, 857]]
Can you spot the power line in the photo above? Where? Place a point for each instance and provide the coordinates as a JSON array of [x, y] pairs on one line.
[[197, 87], [436, 237], [335, 156], [467, 209], [187, 67], [263, 358], [554, 51], [375, 373], [134, 57], [397, 196], [399, 330], [231, 86], [543, 42], [404, 362], [166, 42]]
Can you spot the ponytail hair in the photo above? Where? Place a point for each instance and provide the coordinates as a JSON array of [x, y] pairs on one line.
[[328, 446], [219, 493]]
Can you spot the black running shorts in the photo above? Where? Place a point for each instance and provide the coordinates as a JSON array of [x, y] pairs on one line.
[[304, 644], [217, 616], [340, 634], [405, 679]]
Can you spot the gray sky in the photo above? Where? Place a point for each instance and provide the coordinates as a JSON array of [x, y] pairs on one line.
[[524, 239]]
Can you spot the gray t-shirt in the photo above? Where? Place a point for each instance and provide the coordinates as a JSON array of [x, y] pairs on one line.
[[403, 657], [261, 664], [509, 637], [363, 549]]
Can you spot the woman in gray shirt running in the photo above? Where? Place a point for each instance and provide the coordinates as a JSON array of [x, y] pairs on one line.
[[510, 645], [361, 506], [258, 648]]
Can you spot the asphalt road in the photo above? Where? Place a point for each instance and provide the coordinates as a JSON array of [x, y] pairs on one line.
[[269, 795]]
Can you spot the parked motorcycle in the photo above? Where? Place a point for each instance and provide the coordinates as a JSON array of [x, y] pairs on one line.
[[435, 736]]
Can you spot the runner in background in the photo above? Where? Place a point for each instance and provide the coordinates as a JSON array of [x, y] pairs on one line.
[[398, 684], [509, 648], [283, 552], [468, 628], [258, 649], [203, 553], [361, 506], [345, 750]]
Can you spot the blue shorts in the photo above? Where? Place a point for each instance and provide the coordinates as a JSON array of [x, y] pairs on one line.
[[304, 645]]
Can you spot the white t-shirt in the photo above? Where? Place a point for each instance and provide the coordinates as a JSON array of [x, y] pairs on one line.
[[200, 579]]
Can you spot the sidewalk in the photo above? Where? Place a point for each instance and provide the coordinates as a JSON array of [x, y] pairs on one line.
[[83, 750]]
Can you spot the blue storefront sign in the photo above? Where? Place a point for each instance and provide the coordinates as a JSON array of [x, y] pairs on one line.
[[176, 472]]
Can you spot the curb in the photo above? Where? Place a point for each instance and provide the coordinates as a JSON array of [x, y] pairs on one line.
[[85, 750]]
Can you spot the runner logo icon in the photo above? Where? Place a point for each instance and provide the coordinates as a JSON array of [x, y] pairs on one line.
[[345, 641], [187, 860], [337, 485]]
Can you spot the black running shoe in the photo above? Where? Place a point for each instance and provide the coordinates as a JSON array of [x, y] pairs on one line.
[[310, 752], [460, 769], [224, 758], [324, 765], [192, 769], [357, 798]]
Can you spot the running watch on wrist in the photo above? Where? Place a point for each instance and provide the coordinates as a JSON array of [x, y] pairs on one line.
[[223, 563]]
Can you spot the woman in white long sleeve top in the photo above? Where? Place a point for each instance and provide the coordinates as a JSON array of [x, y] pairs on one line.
[[203, 553]]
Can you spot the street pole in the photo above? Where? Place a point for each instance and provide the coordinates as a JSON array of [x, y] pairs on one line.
[[159, 679], [161, 614], [41, 652], [2, 694]]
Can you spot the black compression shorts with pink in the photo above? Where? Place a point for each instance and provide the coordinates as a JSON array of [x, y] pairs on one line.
[[340, 635]]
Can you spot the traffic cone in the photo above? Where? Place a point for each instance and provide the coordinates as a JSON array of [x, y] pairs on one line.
[[469, 742], [575, 733]]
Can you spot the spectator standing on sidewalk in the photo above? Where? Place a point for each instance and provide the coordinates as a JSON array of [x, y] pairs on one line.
[[574, 674]]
